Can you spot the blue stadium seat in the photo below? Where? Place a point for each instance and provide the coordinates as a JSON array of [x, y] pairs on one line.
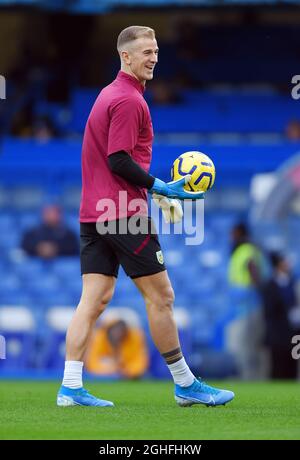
[[4, 198], [132, 300], [81, 104], [53, 354], [7, 221], [9, 282], [14, 297], [9, 240], [67, 268], [213, 364], [47, 281], [69, 293], [25, 197], [28, 268], [28, 219], [203, 331], [72, 221], [270, 234], [57, 320], [70, 198], [20, 349], [18, 327], [59, 114]]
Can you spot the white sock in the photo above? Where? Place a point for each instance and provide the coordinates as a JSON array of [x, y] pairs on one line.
[[181, 373], [73, 374]]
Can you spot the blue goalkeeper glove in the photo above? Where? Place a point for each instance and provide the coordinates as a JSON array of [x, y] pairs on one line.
[[175, 189]]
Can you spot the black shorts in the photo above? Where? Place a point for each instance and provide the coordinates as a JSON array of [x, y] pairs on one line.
[[139, 254]]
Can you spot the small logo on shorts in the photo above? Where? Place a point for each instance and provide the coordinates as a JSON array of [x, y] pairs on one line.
[[160, 257]]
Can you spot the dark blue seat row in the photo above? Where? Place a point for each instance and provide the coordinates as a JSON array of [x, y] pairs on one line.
[[207, 112], [55, 166]]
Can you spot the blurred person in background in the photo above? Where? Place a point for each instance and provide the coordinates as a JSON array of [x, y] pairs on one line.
[[281, 318], [246, 259], [52, 238], [292, 131], [43, 130], [245, 332], [27, 126], [165, 93], [118, 349]]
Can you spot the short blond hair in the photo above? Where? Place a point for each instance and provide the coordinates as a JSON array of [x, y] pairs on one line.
[[132, 33]]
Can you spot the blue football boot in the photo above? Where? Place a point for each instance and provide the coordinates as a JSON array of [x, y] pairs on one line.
[[201, 393], [79, 397]]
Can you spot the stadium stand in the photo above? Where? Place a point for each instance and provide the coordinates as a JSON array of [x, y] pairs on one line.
[[242, 128]]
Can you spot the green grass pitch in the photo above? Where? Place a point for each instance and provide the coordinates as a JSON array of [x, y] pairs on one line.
[[147, 410]]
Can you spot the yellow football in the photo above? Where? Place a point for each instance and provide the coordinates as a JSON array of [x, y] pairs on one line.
[[201, 168]]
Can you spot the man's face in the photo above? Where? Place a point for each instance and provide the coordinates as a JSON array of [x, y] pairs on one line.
[[284, 266], [52, 215], [141, 58], [116, 333]]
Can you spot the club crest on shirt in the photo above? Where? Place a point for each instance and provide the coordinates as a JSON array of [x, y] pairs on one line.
[[160, 257]]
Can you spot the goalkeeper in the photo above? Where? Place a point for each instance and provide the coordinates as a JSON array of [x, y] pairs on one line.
[[116, 157]]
